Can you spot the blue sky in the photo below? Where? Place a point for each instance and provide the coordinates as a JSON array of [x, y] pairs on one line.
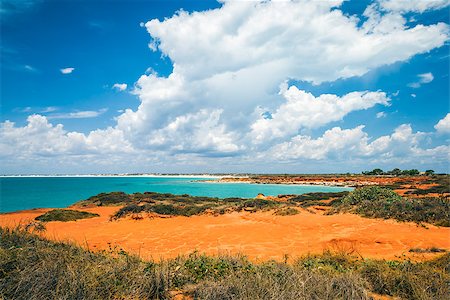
[[206, 86]]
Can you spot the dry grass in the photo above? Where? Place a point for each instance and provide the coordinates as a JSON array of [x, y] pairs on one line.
[[35, 268]]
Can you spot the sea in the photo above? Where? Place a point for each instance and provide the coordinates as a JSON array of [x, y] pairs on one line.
[[20, 193]]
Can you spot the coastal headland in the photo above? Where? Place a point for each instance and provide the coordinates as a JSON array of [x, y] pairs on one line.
[[282, 225]]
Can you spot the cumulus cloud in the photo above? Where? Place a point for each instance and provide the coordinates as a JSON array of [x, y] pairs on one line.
[[422, 79], [223, 96], [41, 138], [234, 58], [206, 134], [67, 70], [304, 39], [120, 86], [303, 110], [349, 144], [413, 5], [443, 126]]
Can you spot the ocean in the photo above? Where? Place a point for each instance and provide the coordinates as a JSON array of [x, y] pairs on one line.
[[18, 193]]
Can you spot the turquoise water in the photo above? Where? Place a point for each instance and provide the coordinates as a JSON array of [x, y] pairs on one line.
[[17, 193]]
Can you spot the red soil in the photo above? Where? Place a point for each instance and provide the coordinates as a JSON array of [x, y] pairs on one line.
[[260, 235]]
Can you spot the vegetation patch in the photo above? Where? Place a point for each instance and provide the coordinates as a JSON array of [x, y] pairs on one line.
[[34, 268], [65, 215], [107, 199], [176, 205], [317, 199], [288, 211], [377, 202], [318, 196], [427, 250], [442, 187]]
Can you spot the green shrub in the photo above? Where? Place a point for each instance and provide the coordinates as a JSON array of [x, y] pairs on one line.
[[376, 202], [318, 196], [370, 194], [106, 199], [65, 215], [257, 204], [128, 209]]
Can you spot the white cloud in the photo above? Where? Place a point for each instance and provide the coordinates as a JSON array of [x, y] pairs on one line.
[[413, 95], [303, 110], [206, 134], [381, 114], [336, 144], [304, 39], [67, 70], [420, 6], [222, 97], [78, 114], [422, 79], [443, 126], [336, 140], [120, 86], [41, 138]]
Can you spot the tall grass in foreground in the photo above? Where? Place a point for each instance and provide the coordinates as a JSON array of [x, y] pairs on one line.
[[35, 268]]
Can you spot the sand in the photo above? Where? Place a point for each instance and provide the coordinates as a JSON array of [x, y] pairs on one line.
[[260, 235]]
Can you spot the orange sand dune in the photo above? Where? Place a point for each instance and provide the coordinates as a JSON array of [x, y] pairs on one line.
[[260, 235]]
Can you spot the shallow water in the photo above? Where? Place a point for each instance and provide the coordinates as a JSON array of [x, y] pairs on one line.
[[17, 193]]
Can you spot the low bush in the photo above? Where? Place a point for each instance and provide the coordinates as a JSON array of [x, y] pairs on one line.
[[318, 196], [257, 204], [65, 215], [377, 202], [107, 199], [438, 189], [288, 211], [427, 250], [369, 195]]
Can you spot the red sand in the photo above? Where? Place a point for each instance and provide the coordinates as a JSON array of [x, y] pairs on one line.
[[259, 235]]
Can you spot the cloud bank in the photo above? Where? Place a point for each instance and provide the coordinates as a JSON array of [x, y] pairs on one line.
[[230, 94]]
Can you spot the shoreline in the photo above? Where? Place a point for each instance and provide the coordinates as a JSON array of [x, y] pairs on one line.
[[324, 184], [113, 175]]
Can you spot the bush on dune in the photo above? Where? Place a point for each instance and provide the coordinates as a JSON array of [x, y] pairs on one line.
[[377, 202], [65, 215], [106, 199], [185, 205], [289, 211]]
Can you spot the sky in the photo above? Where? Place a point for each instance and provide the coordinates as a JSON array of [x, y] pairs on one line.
[[223, 86]]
